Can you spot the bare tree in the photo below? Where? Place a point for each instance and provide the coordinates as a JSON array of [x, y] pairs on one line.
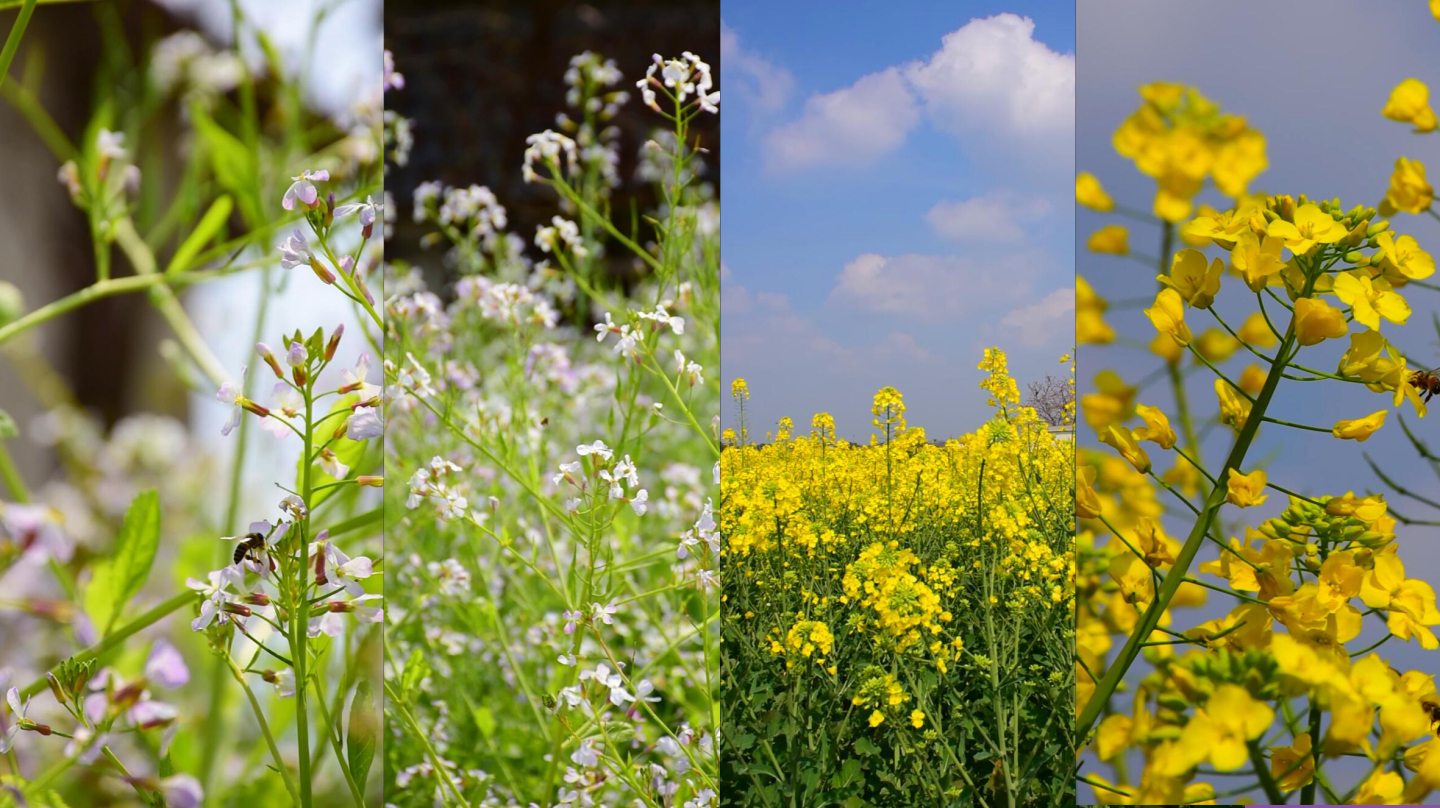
[[1050, 398]]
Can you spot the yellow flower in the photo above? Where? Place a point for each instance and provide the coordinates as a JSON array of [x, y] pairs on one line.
[[917, 719], [1087, 502], [1234, 408], [1112, 238], [1216, 345], [1258, 262], [1370, 299], [1220, 730], [1408, 192], [1246, 490], [1252, 379], [739, 389], [1166, 348], [877, 718], [1311, 226], [1293, 766], [1402, 255], [1410, 602], [1090, 325], [1091, 194], [1317, 321], [1256, 332], [1196, 281], [1359, 429], [1124, 442], [1410, 103], [1157, 427], [1168, 316], [1383, 787]]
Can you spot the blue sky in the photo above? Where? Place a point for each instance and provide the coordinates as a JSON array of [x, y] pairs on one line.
[[1315, 147], [897, 185]]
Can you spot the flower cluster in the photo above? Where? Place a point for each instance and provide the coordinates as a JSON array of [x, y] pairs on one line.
[[1288, 673]]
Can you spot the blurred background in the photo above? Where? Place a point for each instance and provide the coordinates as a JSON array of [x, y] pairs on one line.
[[480, 77]]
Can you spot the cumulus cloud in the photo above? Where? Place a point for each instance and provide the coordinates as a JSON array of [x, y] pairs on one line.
[[1046, 321], [993, 217], [929, 287], [990, 77], [758, 82], [854, 125]]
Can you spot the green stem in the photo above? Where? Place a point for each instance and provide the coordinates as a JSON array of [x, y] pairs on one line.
[[12, 42], [118, 636], [1171, 584], [265, 730]]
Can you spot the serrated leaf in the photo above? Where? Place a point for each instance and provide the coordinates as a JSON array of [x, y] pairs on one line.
[[362, 734], [135, 550]]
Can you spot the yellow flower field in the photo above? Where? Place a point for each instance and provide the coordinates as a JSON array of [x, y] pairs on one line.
[[898, 615]]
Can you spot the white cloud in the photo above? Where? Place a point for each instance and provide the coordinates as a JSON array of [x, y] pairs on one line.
[[990, 76], [930, 287], [993, 76], [757, 81], [1042, 323], [993, 217], [855, 125]]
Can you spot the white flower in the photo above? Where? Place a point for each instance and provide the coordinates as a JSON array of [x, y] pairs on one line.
[[294, 250], [547, 147], [17, 710], [353, 381], [301, 188], [233, 394], [367, 210], [345, 571], [111, 145], [596, 448], [605, 613], [638, 501], [364, 423]]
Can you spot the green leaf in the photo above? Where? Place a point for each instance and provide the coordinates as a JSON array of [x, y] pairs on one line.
[[416, 669], [233, 164], [485, 720], [349, 452], [210, 224], [8, 429], [360, 738], [135, 550]]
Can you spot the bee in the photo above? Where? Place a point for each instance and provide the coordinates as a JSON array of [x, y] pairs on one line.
[[1432, 709], [250, 546], [1426, 381]]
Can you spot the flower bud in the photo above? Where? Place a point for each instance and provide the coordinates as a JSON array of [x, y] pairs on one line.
[[258, 599], [370, 480], [255, 408], [320, 577], [330, 209], [56, 688], [1354, 257], [1377, 228], [321, 271], [334, 342], [269, 357], [238, 608]]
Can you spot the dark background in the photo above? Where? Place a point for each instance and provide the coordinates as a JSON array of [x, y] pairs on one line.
[[480, 77]]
